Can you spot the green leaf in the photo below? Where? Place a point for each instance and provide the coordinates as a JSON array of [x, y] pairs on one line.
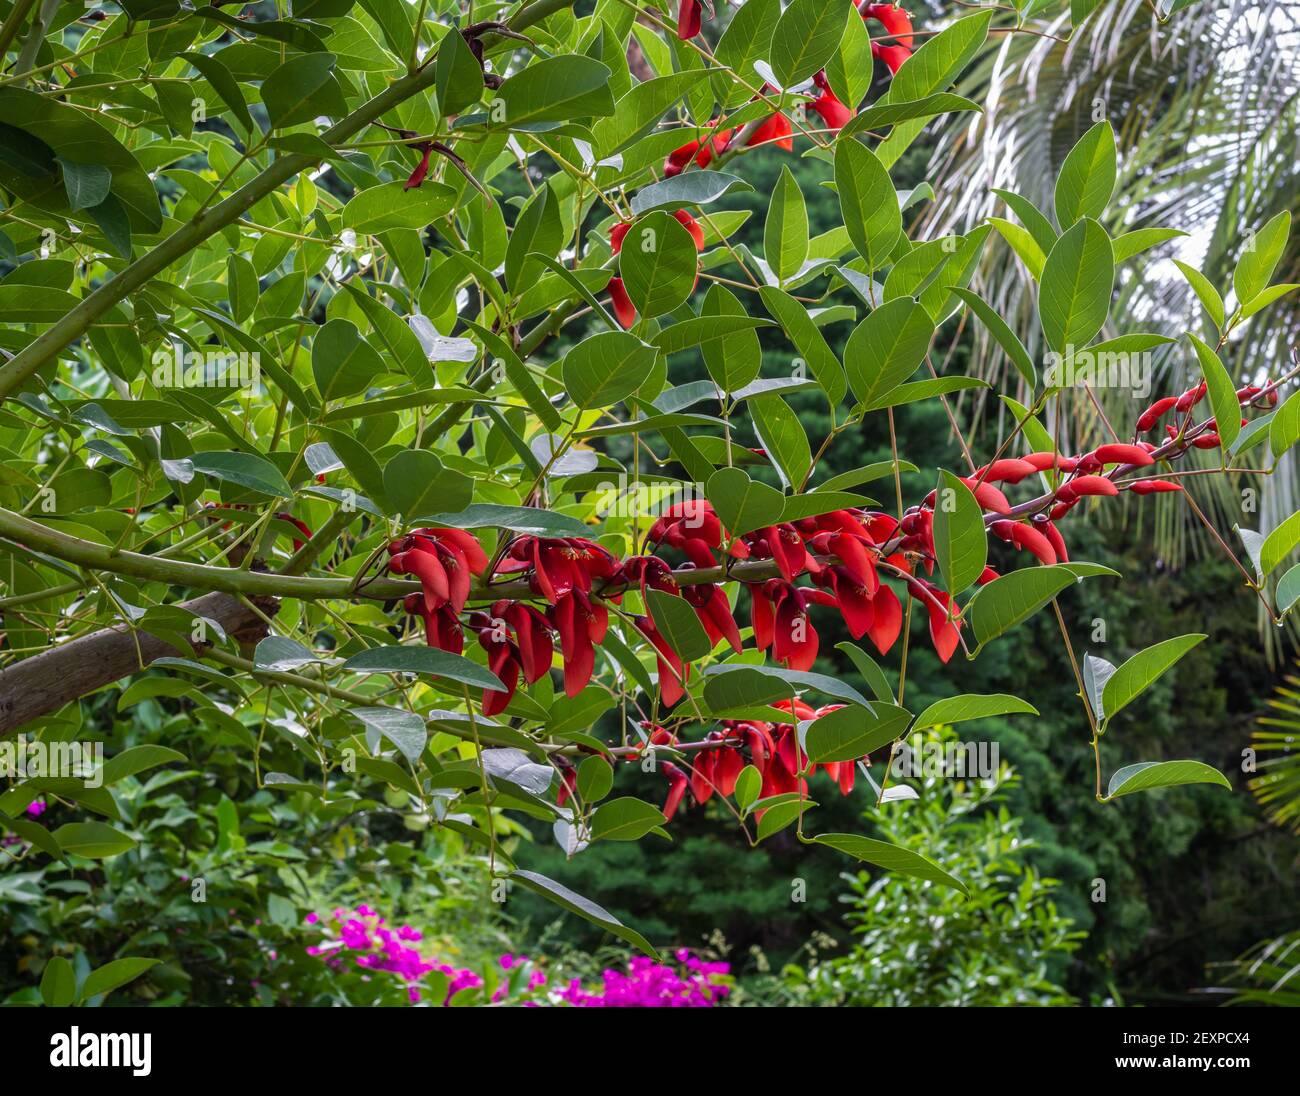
[[278, 654], [1284, 430], [417, 484], [555, 89], [136, 760], [1140, 240], [741, 504], [808, 341], [959, 709], [93, 840], [1023, 244], [869, 669], [299, 90], [388, 206], [1006, 338], [658, 263], [58, 983], [86, 184], [1011, 599], [624, 819], [538, 230], [458, 76], [740, 686], [678, 623], [1034, 220], [935, 65], [517, 519], [400, 659], [748, 784], [583, 907], [688, 188], [1288, 589], [1162, 774], [606, 367], [595, 779], [1133, 677], [1280, 543], [342, 362], [882, 114], [1074, 298], [1209, 297], [214, 71], [114, 975], [1260, 257], [405, 730], [868, 202], [781, 435], [244, 469], [890, 857], [1087, 177], [1223, 396], [886, 348], [849, 67], [641, 109], [960, 542], [785, 233], [849, 733], [805, 38]]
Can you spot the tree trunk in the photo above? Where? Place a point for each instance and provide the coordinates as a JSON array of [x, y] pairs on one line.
[[43, 683]]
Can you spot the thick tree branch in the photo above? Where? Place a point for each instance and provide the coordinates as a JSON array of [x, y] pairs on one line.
[[44, 683]]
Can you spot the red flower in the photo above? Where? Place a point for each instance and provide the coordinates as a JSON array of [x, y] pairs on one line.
[[441, 626], [898, 28], [775, 130], [783, 544], [700, 151], [421, 169], [624, 309], [559, 564], [688, 19], [886, 619], [677, 785], [581, 624], [780, 619], [1153, 486], [443, 560], [504, 661], [672, 674], [693, 527], [714, 610], [297, 523], [835, 114], [1025, 536], [944, 631], [648, 573], [532, 637]]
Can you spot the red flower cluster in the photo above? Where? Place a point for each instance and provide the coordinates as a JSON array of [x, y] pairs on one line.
[[772, 748], [898, 28], [624, 309]]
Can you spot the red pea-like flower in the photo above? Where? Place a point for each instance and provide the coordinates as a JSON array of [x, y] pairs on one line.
[[714, 611], [689, 15], [776, 130], [443, 560], [560, 564], [1025, 536], [441, 626], [898, 26], [532, 633], [834, 113], [677, 785], [582, 624], [672, 674]]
